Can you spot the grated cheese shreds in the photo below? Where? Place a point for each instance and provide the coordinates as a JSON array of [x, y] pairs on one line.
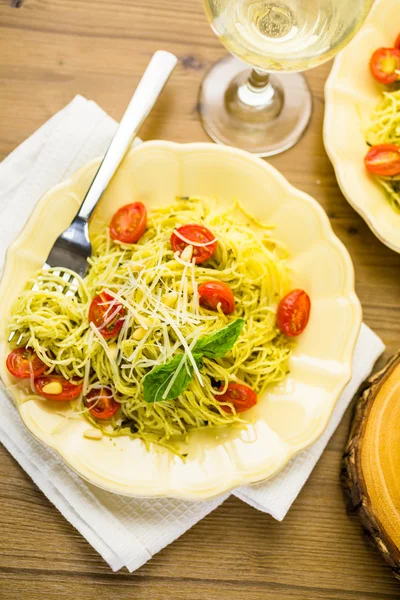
[[139, 276], [181, 364]]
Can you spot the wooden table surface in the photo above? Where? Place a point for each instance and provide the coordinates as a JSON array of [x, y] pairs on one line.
[[50, 51]]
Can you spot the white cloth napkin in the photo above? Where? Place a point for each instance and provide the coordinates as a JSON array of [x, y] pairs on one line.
[[126, 532]]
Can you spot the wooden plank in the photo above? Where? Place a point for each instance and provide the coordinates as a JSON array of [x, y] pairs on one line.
[[49, 52]]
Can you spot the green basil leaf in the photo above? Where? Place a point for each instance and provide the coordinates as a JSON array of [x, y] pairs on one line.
[[215, 345], [156, 382], [219, 343]]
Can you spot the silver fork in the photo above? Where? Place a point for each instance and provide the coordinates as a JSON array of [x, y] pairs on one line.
[[72, 248]]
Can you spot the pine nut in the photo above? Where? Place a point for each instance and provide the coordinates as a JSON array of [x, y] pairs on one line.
[[139, 334], [54, 387], [187, 253], [93, 434], [170, 299], [143, 321]]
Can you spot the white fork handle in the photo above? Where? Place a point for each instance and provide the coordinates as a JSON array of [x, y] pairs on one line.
[[154, 78]]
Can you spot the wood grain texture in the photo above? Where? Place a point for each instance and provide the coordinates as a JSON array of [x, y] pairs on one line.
[[49, 52], [357, 477]]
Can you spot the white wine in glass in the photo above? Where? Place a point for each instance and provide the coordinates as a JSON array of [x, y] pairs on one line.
[[249, 108]]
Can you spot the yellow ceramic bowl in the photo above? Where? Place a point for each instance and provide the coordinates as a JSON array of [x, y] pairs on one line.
[[291, 415], [351, 94]]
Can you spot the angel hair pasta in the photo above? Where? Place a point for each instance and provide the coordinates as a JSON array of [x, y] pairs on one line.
[[385, 129], [162, 360]]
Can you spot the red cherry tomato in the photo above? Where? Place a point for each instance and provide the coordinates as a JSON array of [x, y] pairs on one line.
[[383, 160], [198, 235], [129, 223], [103, 307], [293, 313], [241, 396], [213, 293], [70, 389], [101, 403], [397, 42], [25, 363], [384, 63]]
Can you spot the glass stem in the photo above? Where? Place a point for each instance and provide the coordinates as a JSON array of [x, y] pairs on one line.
[[258, 80], [256, 98]]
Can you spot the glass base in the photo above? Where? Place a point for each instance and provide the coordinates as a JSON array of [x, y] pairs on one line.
[[264, 129]]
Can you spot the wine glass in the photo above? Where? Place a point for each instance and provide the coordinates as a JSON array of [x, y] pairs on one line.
[[251, 108]]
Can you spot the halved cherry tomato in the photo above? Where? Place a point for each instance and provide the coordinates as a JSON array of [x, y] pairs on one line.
[[397, 42], [203, 241], [25, 363], [384, 63], [103, 307], [383, 160], [293, 313], [241, 396], [213, 293], [70, 389], [101, 403], [129, 223]]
